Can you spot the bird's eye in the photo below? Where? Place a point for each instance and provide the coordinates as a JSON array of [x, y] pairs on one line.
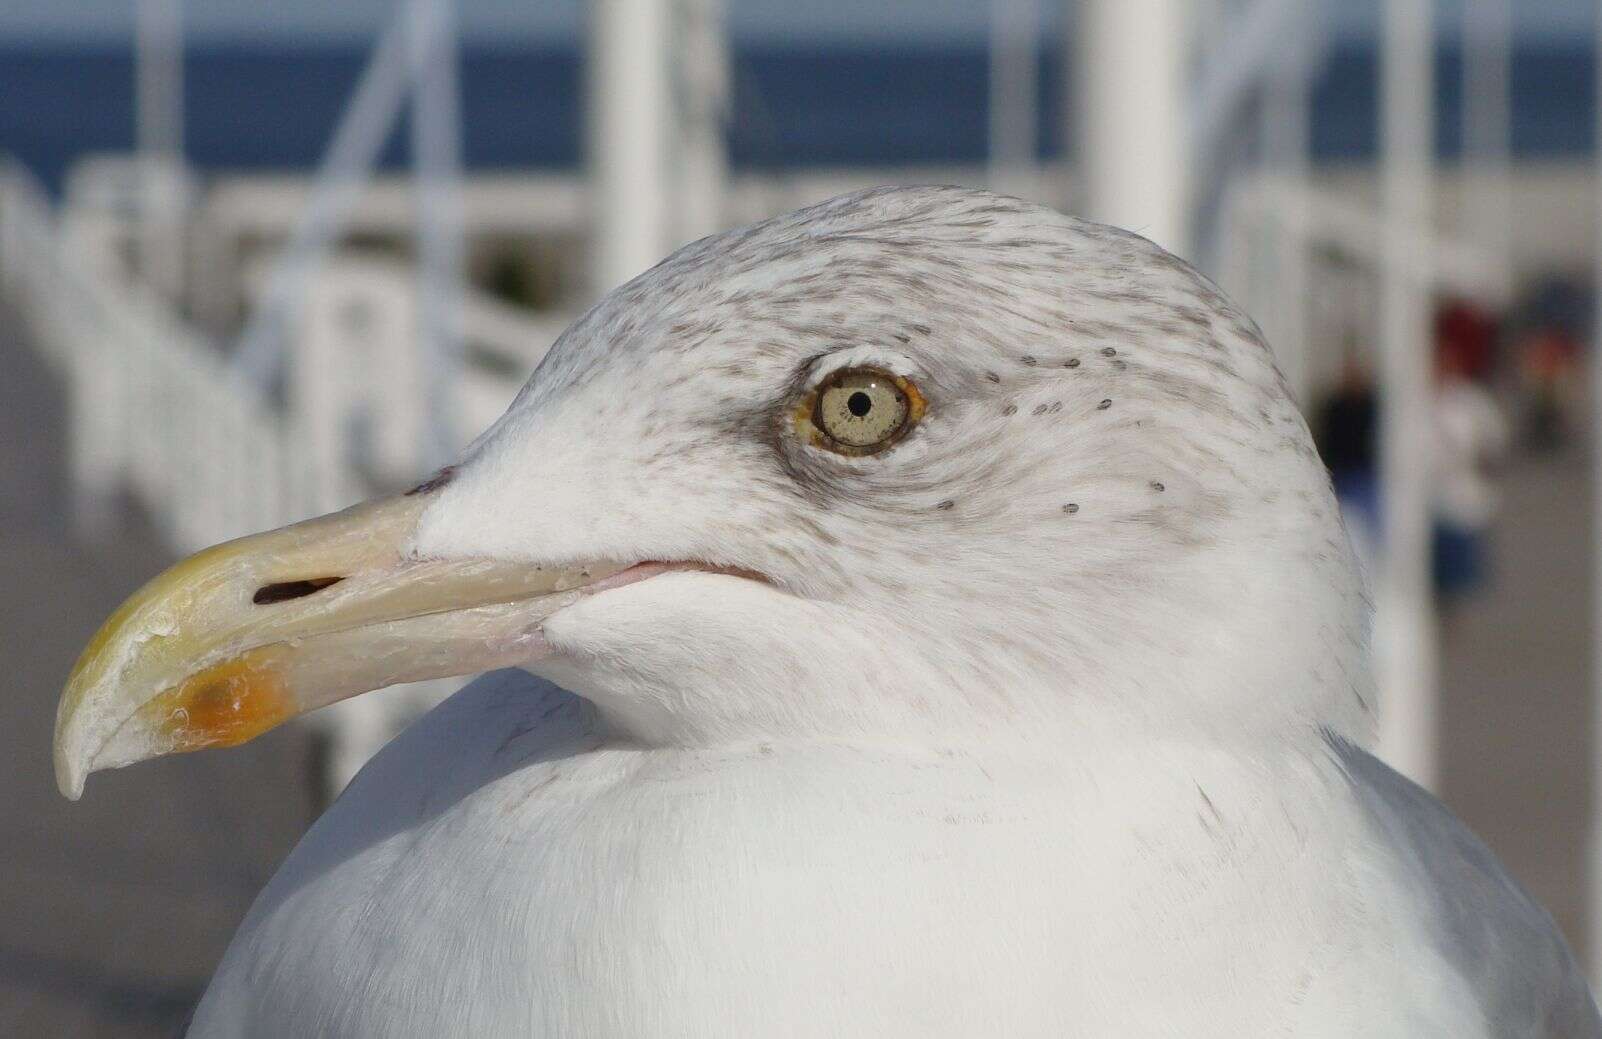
[[860, 411]]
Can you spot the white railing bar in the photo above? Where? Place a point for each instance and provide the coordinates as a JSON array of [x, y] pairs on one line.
[[436, 151], [1014, 93], [1252, 48], [357, 142], [1405, 621]]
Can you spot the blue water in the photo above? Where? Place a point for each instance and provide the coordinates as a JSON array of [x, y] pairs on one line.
[[273, 109]]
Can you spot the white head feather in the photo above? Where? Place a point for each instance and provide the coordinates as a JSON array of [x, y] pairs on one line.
[[1111, 517]]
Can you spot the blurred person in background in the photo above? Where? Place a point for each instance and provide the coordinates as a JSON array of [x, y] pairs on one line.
[[1470, 435], [1345, 429], [1548, 360], [1472, 332]]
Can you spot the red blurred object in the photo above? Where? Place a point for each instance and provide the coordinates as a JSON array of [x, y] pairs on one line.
[[1465, 339]]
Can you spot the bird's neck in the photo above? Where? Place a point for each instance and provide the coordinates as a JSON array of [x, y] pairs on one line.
[[1204, 649]]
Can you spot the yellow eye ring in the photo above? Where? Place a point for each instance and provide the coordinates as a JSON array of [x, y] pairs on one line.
[[859, 411]]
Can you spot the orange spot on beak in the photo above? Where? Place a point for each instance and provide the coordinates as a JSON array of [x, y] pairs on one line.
[[223, 705]]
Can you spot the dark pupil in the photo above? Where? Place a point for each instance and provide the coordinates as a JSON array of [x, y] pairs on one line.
[[859, 403]]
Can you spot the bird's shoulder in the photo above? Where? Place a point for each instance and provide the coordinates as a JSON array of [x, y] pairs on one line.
[[1485, 932], [488, 751], [483, 769]]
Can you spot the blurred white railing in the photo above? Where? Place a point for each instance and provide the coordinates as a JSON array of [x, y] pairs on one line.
[[156, 413], [152, 408], [359, 393], [1271, 220]]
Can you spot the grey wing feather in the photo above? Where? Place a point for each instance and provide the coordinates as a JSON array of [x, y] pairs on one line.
[[1493, 933]]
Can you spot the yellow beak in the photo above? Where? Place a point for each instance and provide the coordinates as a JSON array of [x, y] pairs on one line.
[[245, 635]]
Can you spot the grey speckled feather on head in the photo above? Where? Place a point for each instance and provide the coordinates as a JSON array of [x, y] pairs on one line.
[[1094, 402]]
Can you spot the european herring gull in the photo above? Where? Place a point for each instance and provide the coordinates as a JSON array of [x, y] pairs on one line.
[[933, 620]]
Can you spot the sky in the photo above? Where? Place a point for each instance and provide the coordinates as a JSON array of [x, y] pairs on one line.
[[865, 21]]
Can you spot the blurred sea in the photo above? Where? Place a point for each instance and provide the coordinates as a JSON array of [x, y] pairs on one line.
[[260, 108]]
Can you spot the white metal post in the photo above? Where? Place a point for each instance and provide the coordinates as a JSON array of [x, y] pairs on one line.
[[97, 443], [1287, 146], [437, 160], [158, 36], [1014, 94], [159, 113], [1405, 622], [1133, 146], [1487, 82], [361, 134], [630, 119], [702, 111]]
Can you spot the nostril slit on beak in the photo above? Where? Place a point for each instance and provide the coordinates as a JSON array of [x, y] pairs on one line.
[[283, 591]]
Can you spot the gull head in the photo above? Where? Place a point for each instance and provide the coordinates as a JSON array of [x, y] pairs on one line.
[[914, 464]]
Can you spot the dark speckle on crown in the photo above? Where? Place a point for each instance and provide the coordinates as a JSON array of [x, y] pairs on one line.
[[976, 296]]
